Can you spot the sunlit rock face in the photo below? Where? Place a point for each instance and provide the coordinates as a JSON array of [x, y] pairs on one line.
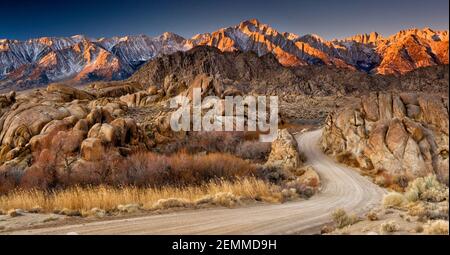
[[78, 59], [402, 134]]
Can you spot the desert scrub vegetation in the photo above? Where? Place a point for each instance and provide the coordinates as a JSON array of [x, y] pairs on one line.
[[424, 189], [389, 227], [79, 200], [341, 219], [242, 144], [427, 189], [393, 200], [141, 169], [201, 157], [436, 227]]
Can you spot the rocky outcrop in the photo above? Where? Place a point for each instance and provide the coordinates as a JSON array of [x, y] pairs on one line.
[[402, 134], [92, 149], [116, 89], [30, 121], [69, 92], [7, 99], [284, 151]]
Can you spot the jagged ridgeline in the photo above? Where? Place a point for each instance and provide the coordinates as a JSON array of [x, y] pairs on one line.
[[79, 59]]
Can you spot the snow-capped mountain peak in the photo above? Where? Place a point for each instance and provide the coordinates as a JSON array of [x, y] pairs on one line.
[[48, 59]]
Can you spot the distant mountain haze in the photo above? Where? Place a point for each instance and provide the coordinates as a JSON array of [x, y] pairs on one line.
[[79, 59]]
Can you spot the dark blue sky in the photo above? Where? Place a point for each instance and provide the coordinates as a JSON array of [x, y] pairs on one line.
[[327, 18]]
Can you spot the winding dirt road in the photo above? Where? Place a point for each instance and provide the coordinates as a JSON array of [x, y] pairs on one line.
[[341, 188]]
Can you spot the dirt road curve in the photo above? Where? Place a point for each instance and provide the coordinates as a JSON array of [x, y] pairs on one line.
[[342, 188]]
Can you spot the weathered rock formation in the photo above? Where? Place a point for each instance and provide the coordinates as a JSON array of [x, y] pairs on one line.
[[402, 134], [284, 151], [87, 123]]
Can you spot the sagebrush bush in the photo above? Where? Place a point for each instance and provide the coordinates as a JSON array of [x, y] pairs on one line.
[[372, 216], [172, 203], [253, 150], [301, 189], [273, 173], [342, 219], [393, 199], [427, 189], [389, 227], [437, 227]]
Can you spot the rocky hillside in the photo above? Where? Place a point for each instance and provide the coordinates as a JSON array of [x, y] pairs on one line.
[[393, 136], [79, 123], [78, 59], [249, 73]]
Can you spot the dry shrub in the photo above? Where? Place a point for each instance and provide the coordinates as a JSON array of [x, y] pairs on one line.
[[140, 169], [53, 160], [196, 169], [427, 189], [243, 144], [70, 212], [342, 219], [426, 210], [436, 227], [273, 173], [253, 150], [227, 199], [393, 199], [418, 229], [109, 198], [389, 227], [10, 177], [214, 141], [372, 216], [13, 213], [171, 203], [150, 169], [129, 208], [43, 173], [348, 159], [417, 209], [300, 189], [401, 181], [97, 212], [326, 229]]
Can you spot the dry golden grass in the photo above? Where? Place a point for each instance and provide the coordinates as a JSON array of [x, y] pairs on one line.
[[109, 198]]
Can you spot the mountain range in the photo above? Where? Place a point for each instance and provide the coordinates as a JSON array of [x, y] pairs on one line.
[[80, 59]]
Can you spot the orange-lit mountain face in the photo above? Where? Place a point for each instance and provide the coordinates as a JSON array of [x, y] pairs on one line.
[[78, 59]]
